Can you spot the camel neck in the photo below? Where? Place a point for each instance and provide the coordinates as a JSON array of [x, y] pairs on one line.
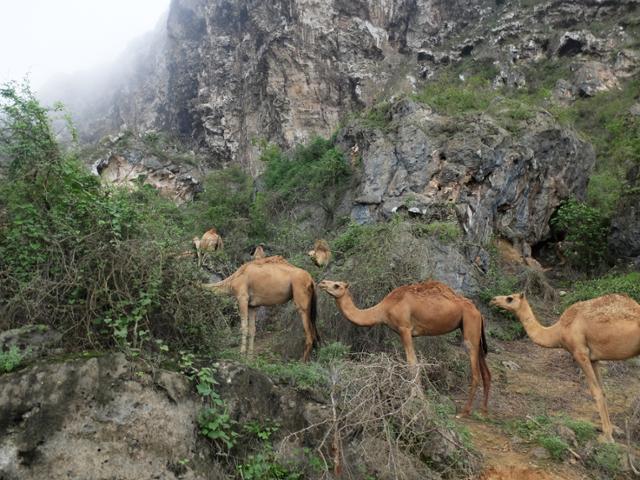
[[364, 318], [549, 337], [223, 287]]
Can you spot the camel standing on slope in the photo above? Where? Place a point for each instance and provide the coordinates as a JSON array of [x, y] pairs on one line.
[[424, 309], [271, 281], [605, 328], [210, 241], [321, 253]]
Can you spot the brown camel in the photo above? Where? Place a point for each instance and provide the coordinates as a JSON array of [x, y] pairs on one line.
[[210, 241], [271, 281], [258, 253], [605, 328], [321, 253], [423, 309]]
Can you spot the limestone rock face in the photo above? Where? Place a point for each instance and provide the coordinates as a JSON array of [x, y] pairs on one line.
[[221, 74], [96, 419], [105, 418], [494, 180]]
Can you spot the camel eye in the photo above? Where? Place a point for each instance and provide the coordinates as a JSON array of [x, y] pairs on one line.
[[335, 286], [509, 299]]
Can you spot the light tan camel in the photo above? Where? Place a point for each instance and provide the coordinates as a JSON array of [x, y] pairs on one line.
[[210, 241], [321, 253], [271, 281], [258, 253], [423, 309], [605, 328]]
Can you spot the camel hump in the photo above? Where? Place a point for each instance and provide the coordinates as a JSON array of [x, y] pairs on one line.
[[267, 260], [426, 289], [610, 306]]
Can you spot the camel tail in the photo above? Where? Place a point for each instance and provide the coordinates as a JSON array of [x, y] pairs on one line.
[[314, 315], [483, 341]]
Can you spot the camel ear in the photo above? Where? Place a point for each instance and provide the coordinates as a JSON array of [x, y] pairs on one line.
[[346, 284], [521, 295]]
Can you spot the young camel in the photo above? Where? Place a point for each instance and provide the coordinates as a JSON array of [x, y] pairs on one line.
[[271, 281], [321, 253], [423, 309], [605, 328], [210, 241]]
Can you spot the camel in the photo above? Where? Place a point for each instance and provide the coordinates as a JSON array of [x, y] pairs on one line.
[[321, 254], [258, 253], [210, 241], [271, 281], [423, 309], [604, 328]]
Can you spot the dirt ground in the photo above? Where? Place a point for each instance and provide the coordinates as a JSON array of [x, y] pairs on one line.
[[530, 380]]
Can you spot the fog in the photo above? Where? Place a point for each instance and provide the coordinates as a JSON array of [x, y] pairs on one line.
[[48, 38]]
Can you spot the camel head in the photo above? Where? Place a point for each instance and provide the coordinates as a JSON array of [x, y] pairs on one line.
[[510, 303], [333, 288]]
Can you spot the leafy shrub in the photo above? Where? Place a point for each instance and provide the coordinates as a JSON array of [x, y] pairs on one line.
[[607, 459], [585, 230], [26, 136], [11, 359], [453, 97], [301, 375], [553, 444], [214, 421], [377, 117], [584, 431], [509, 331], [540, 429], [628, 284], [229, 203], [310, 173], [98, 263], [446, 231], [332, 352]]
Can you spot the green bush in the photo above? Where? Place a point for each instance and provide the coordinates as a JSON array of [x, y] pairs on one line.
[[607, 459], [11, 359], [628, 284], [585, 230], [584, 431], [446, 231], [301, 375], [316, 172], [98, 263], [451, 96]]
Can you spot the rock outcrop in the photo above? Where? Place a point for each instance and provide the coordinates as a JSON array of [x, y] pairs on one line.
[[98, 418], [495, 181]]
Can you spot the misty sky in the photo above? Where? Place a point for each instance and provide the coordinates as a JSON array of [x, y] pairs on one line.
[[48, 37]]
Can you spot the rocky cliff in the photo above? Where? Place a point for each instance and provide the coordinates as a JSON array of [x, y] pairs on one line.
[[224, 73]]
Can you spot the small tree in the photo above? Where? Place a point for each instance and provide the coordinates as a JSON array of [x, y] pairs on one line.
[[585, 229]]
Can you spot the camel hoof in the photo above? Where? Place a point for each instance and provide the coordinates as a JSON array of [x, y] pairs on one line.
[[463, 414]]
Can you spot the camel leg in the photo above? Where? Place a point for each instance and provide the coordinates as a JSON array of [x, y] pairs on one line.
[[474, 357], [252, 329], [407, 343], [302, 299], [596, 369], [412, 359], [243, 305], [596, 391], [486, 382]]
